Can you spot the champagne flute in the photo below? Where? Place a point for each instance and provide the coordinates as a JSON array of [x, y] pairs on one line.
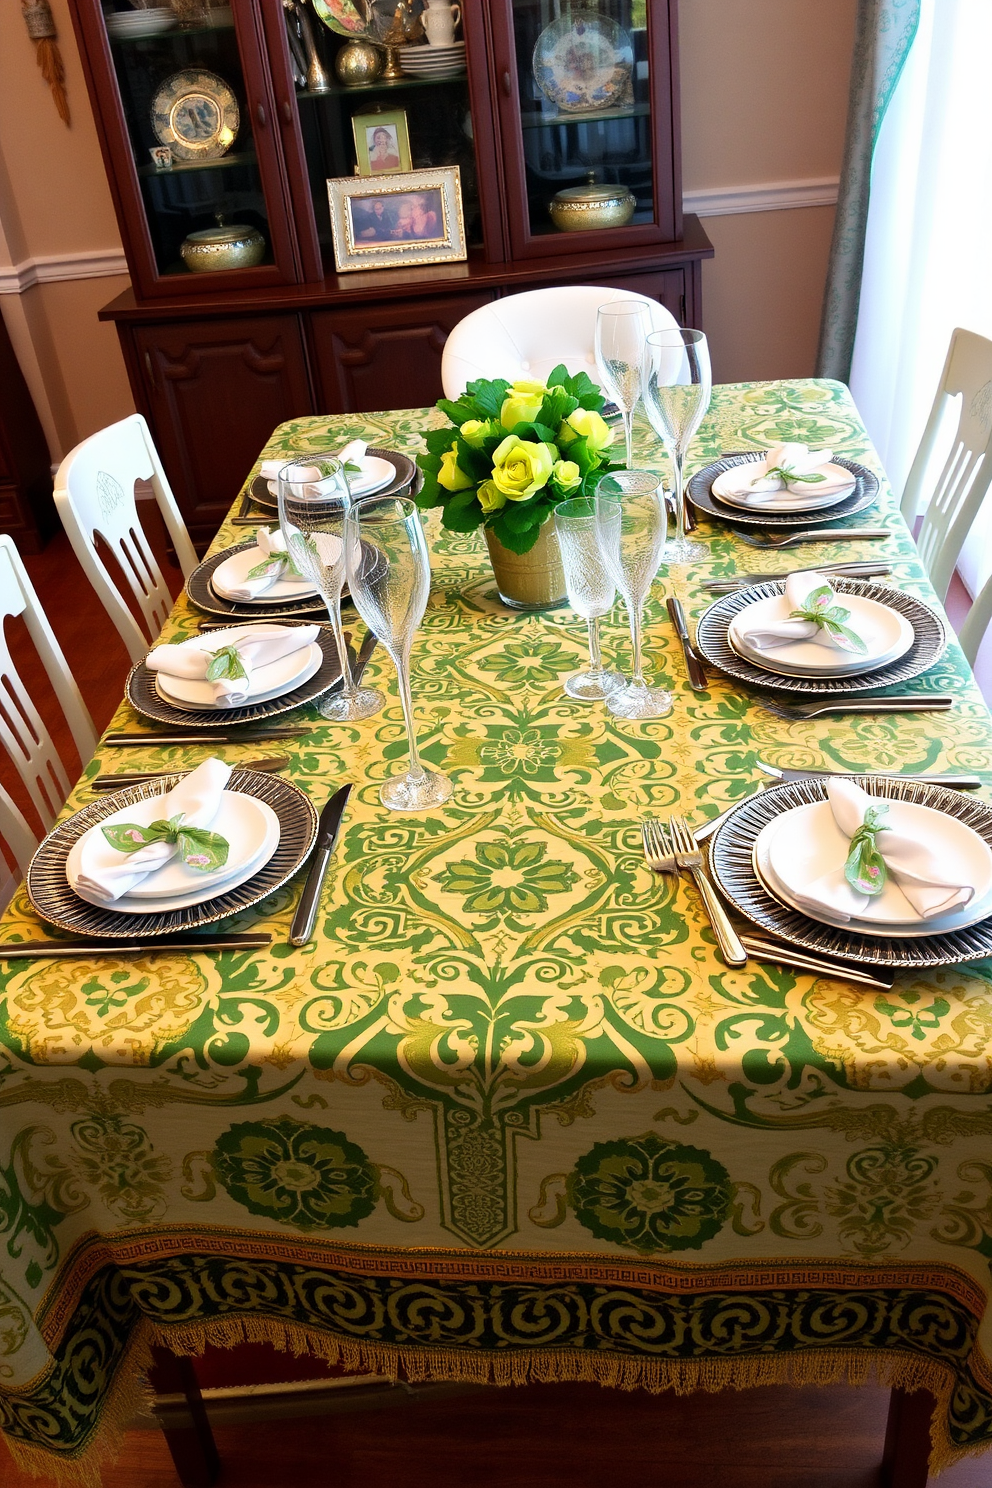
[[313, 499], [591, 591], [389, 574], [621, 331], [676, 383], [631, 524]]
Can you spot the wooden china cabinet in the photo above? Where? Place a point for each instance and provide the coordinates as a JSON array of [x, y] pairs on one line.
[[217, 359]]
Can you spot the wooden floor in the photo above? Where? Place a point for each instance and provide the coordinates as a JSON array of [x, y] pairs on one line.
[[555, 1436]]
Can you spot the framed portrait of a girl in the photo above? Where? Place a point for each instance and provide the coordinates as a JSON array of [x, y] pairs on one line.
[[382, 143]]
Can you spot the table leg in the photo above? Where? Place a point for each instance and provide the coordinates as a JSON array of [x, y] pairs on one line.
[[183, 1418], [906, 1459]]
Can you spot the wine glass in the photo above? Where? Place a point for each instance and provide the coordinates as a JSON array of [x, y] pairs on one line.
[[591, 591], [631, 523], [389, 574], [313, 499], [621, 330], [676, 383]]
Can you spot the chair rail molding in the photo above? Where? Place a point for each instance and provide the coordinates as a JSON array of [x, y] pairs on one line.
[[51, 268], [768, 196]]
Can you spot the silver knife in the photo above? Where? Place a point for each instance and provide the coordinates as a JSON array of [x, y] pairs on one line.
[[106, 783], [953, 782], [878, 977], [864, 569], [207, 738], [327, 835], [28, 950], [693, 665]]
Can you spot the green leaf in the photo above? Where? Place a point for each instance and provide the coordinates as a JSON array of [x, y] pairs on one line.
[[129, 837], [865, 868], [556, 407], [267, 566], [517, 539], [788, 475], [437, 441], [201, 849], [226, 663], [488, 395], [351, 468]]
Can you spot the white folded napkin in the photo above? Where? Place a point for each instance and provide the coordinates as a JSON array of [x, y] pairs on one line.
[[271, 547], [353, 452], [107, 873], [929, 889], [760, 487], [798, 588], [256, 645]]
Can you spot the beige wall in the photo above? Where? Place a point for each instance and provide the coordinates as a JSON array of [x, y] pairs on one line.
[[764, 96]]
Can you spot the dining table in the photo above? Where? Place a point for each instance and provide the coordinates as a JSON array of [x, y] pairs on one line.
[[509, 1117]]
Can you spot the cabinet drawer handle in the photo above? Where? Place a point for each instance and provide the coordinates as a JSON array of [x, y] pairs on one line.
[[507, 85], [287, 111], [151, 371], [260, 114]]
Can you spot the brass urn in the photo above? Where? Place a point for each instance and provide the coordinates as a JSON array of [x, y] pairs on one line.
[[358, 64], [234, 246], [585, 208]]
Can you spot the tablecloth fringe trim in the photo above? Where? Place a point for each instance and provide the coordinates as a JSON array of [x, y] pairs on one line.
[[128, 1396], [419, 1365], [130, 1393]]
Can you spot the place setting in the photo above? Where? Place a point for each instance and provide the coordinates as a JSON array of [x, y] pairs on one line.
[[240, 675], [170, 854], [820, 635], [872, 869], [782, 488], [370, 471]]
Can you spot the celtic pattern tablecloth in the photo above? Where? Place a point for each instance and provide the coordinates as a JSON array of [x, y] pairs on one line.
[[511, 1117]]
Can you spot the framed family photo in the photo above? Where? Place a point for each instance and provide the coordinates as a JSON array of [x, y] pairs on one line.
[[382, 143], [414, 217]]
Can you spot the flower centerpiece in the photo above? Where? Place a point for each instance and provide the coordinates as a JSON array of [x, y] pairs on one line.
[[517, 449]]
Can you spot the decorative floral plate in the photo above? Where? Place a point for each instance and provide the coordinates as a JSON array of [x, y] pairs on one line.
[[196, 114], [584, 62]]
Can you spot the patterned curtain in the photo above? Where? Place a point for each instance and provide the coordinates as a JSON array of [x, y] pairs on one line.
[[885, 32]]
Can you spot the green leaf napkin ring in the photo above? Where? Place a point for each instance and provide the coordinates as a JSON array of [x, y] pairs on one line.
[[198, 848], [281, 563], [227, 662], [820, 610], [788, 475], [865, 868]]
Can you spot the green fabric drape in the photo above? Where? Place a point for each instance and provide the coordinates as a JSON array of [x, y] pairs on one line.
[[885, 32]]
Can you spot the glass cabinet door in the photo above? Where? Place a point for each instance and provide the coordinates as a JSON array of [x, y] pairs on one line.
[[588, 126], [204, 162]]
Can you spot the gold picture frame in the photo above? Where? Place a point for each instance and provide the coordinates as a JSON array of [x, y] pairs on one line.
[[382, 143], [413, 217]]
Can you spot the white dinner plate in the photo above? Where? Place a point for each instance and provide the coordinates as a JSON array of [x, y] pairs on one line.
[[250, 826], [887, 634], [267, 682], [235, 570], [731, 486], [375, 473], [801, 845]]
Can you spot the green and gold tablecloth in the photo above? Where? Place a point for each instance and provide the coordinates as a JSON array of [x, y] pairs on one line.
[[510, 1118]]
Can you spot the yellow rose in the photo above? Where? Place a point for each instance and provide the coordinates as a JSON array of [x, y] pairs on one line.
[[474, 431], [491, 498], [584, 423], [566, 475], [451, 476], [521, 467], [522, 404]]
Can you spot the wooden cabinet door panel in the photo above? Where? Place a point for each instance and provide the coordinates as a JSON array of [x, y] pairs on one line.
[[667, 286], [215, 391], [385, 356]]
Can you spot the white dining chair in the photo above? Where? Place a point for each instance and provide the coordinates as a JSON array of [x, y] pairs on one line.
[[960, 488], [527, 335], [94, 495], [23, 732], [976, 623]]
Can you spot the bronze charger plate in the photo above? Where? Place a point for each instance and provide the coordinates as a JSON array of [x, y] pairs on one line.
[[402, 464], [701, 495]]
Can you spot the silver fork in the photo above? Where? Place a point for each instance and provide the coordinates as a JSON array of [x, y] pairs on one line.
[[817, 534], [657, 850], [909, 702], [687, 855]]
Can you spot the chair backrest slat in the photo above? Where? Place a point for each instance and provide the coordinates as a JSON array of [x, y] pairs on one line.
[[94, 495], [961, 486], [22, 730]]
